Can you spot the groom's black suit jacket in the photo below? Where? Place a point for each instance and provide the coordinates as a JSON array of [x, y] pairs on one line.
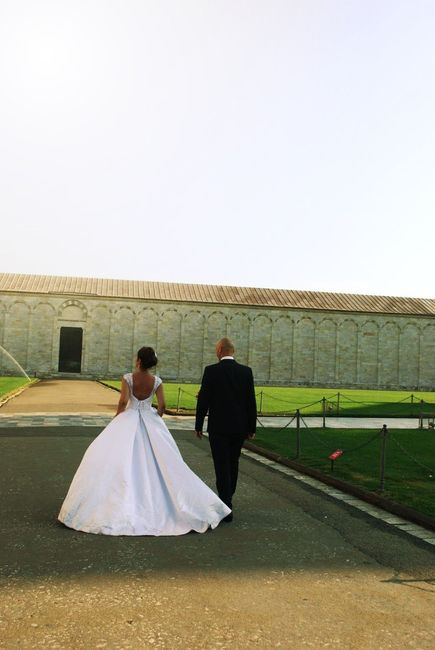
[[227, 394]]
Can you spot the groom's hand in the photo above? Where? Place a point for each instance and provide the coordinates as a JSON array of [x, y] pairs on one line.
[[251, 436], [199, 434]]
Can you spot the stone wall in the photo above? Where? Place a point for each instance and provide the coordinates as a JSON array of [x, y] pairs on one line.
[[283, 346]]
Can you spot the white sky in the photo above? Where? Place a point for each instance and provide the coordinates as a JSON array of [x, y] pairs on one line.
[[271, 143]]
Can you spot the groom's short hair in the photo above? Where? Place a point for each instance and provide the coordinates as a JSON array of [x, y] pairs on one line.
[[225, 344]]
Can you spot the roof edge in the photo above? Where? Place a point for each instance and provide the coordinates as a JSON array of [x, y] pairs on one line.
[[215, 294]]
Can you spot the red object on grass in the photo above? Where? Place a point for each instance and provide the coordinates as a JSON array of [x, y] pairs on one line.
[[335, 454]]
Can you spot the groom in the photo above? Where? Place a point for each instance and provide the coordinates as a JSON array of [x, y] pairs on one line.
[[227, 395]]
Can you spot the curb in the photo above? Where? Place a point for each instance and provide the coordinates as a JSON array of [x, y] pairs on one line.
[[98, 381], [4, 400], [190, 414], [369, 497]]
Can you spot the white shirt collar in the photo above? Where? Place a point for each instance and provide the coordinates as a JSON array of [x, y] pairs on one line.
[[227, 357]]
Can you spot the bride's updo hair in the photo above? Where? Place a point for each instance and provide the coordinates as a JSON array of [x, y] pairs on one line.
[[147, 358]]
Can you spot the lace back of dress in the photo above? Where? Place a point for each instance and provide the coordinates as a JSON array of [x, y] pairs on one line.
[[129, 379]]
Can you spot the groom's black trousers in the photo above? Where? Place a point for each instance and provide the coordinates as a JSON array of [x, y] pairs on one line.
[[226, 453]]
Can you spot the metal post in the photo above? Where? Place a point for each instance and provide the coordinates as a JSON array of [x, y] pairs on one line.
[[298, 433], [261, 403], [384, 433], [420, 419], [338, 404], [178, 399], [324, 411]]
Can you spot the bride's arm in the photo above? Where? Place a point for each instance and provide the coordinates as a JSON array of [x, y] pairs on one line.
[[123, 398], [161, 405]]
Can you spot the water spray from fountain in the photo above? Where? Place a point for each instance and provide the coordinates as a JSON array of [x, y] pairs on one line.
[[15, 362]]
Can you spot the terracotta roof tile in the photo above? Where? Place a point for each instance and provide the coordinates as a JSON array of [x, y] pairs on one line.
[[202, 293]]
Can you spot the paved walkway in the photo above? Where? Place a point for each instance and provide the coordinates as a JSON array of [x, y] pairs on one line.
[[183, 423], [63, 396], [300, 566]]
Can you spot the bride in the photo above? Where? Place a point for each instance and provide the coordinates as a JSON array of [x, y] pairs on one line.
[[132, 479]]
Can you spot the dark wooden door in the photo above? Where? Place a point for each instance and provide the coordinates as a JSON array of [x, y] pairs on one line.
[[70, 349]]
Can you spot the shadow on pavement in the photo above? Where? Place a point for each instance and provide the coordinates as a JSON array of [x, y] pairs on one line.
[[279, 524]]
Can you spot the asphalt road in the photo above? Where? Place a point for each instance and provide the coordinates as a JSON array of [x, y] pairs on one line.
[[295, 569]]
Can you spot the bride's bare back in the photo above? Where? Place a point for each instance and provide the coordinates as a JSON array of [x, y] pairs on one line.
[[143, 384]]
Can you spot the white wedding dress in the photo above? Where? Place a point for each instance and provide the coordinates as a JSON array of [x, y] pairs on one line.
[[133, 481]]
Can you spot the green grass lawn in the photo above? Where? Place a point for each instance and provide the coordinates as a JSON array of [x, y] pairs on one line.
[[9, 384], [406, 481], [281, 400], [347, 402]]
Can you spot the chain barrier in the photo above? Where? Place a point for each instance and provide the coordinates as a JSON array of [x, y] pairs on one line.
[[379, 435], [355, 401], [319, 401], [393, 414], [410, 397], [411, 407], [346, 451], [358, 401], [261, 424], [418, 407], [285, 401], [187, 393], [277, 399], [404, 451], [314, 435], [399, 401], [363, 444], [287, 425], [325, 445], [275, 430]]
